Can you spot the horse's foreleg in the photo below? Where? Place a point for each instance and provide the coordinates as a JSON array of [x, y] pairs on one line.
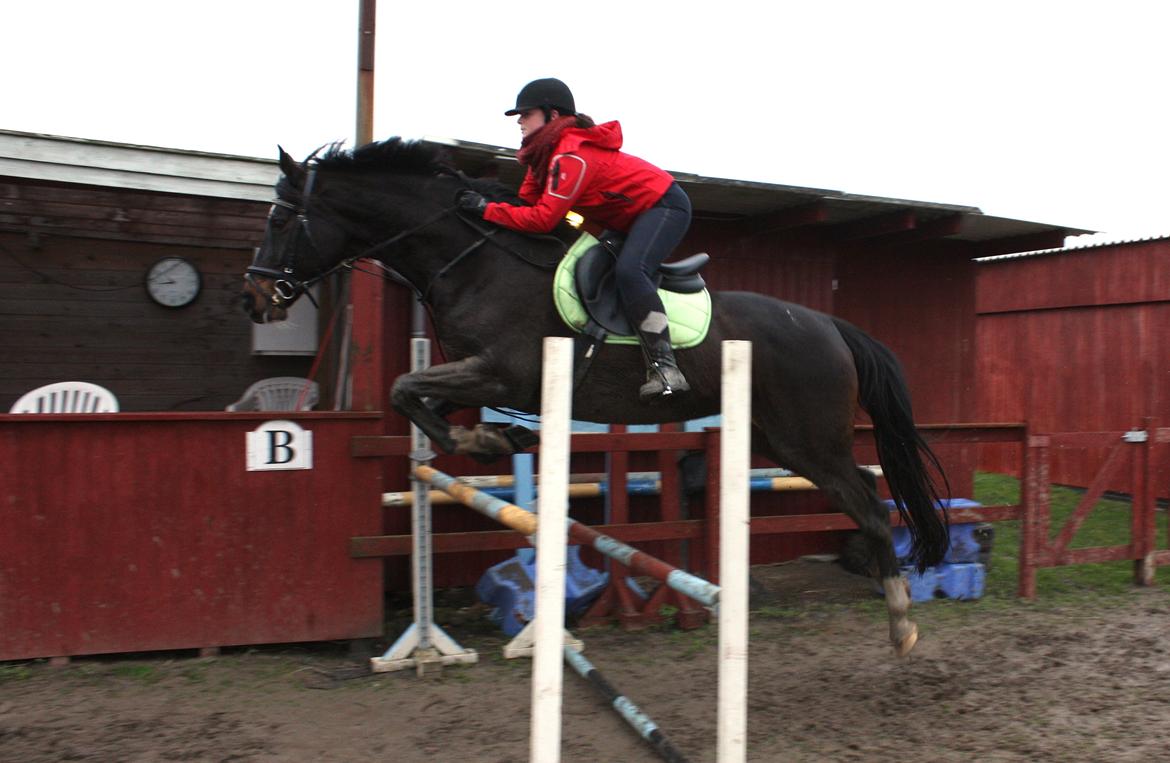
[[463, 384]]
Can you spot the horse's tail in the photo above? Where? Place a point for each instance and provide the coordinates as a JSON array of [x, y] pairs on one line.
[[902, 452]]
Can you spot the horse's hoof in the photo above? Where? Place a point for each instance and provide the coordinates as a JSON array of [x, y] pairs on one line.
[[521, 438], [903, 645]]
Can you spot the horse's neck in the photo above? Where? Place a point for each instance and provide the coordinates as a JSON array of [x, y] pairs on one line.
[[490, 289]]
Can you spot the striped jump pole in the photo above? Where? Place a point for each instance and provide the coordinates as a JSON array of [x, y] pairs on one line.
[[508, 480], [526, 522], [637, 483], [639, 721]]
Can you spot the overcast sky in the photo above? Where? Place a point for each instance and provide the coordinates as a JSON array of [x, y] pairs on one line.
[[1054, 112]]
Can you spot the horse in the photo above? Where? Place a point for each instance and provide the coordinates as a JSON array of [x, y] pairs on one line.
[[488, 291]]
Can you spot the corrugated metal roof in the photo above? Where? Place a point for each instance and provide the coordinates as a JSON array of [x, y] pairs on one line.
[[1097, 241]]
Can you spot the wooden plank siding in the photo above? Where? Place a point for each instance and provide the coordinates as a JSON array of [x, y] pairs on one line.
[[919, 301], [135, 532], [76, 308], [797, 268], [123, 214], [1074, 342]]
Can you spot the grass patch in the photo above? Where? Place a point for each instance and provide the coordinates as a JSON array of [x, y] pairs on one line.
[[14, 673], [1107, 525], [143, 673]]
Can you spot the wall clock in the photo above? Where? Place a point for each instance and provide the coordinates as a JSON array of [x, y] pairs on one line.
[[173, 282]]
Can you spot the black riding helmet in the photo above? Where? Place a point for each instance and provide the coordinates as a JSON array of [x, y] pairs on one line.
[[545, 94]]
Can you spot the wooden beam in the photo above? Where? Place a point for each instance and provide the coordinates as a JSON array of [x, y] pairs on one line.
[[82, 215], [365, 547], [122, 197], [939, 227], [786, 219], [879, 225], [35, 226]]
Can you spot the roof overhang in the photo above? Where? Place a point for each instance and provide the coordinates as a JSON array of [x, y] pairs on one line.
[[768, 207], [748, 206]]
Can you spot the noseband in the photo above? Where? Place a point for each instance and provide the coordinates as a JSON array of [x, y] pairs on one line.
[[286, 287]]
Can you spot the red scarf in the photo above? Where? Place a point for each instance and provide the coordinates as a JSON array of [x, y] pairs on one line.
[[537, 148]]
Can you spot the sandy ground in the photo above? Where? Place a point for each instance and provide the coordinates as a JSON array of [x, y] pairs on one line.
[[988, 682]]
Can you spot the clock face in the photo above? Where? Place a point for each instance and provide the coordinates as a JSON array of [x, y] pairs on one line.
[[173, 282]]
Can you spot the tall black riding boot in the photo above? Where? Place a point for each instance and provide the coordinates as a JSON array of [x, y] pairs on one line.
[[663, 377]]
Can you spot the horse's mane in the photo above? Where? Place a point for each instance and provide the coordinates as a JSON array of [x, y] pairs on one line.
[[390, 155], [398, 155]]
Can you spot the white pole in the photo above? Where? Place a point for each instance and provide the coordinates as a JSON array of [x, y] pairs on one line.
[[549, 627], [734, 544]]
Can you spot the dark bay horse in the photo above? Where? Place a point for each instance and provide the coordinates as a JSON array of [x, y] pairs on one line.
[[489, 293]]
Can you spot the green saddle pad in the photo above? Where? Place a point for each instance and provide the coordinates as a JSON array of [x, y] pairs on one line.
[[689, 314]]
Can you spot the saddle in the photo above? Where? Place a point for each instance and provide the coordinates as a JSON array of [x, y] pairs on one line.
[[596, 282]]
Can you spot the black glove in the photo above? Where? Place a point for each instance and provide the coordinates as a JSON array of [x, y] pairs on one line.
[[471, 202]]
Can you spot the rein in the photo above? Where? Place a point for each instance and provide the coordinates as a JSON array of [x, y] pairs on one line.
[[286, 287]]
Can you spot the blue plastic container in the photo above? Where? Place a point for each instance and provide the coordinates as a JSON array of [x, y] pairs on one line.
[[922, 584], [969, 540], [949, 581], [510, 588], [961, 581]]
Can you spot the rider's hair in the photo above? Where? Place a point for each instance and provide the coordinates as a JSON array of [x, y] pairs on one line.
[[584, 121]]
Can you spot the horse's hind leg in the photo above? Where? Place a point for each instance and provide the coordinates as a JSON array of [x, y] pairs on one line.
[[853, 491]]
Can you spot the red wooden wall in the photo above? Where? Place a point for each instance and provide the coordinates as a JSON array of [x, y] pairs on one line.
[[136, 532], [1074, 342]]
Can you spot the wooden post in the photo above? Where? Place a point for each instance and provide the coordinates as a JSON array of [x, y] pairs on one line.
[[367, 15], [670, 496], [734, 551], [1034, 495], [366, 362], [1144, 505], [711, 522], [547, 670]]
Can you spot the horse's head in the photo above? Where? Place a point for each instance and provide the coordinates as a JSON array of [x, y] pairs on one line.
[[294, 254], [392, 201]]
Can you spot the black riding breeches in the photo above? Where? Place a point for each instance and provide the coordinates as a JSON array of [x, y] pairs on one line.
[[652, 238]]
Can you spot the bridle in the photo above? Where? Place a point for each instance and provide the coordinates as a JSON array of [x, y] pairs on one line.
[[286, 287]]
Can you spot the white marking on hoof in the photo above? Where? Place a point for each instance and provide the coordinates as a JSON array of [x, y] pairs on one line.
[[903, 632], [903, 647]]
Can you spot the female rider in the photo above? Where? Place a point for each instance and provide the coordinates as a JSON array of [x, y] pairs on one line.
[[575, 164]]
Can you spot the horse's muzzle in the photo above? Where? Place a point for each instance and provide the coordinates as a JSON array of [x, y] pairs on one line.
[[259, 305]]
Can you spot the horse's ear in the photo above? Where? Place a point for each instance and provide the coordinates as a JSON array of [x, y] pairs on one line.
[[289, 166]]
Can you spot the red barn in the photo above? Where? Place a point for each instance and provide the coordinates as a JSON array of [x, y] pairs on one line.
[[82, 222], [1073, 340]]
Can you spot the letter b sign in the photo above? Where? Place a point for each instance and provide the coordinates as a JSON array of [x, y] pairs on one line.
[[279, 445]]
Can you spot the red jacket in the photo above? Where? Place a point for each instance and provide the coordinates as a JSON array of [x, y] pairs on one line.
[[589, 175]]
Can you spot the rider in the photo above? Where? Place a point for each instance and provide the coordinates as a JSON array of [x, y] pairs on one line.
[[576, 164]]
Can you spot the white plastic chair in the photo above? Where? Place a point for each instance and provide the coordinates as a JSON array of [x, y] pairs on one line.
[[278, 393], [67, 397]]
